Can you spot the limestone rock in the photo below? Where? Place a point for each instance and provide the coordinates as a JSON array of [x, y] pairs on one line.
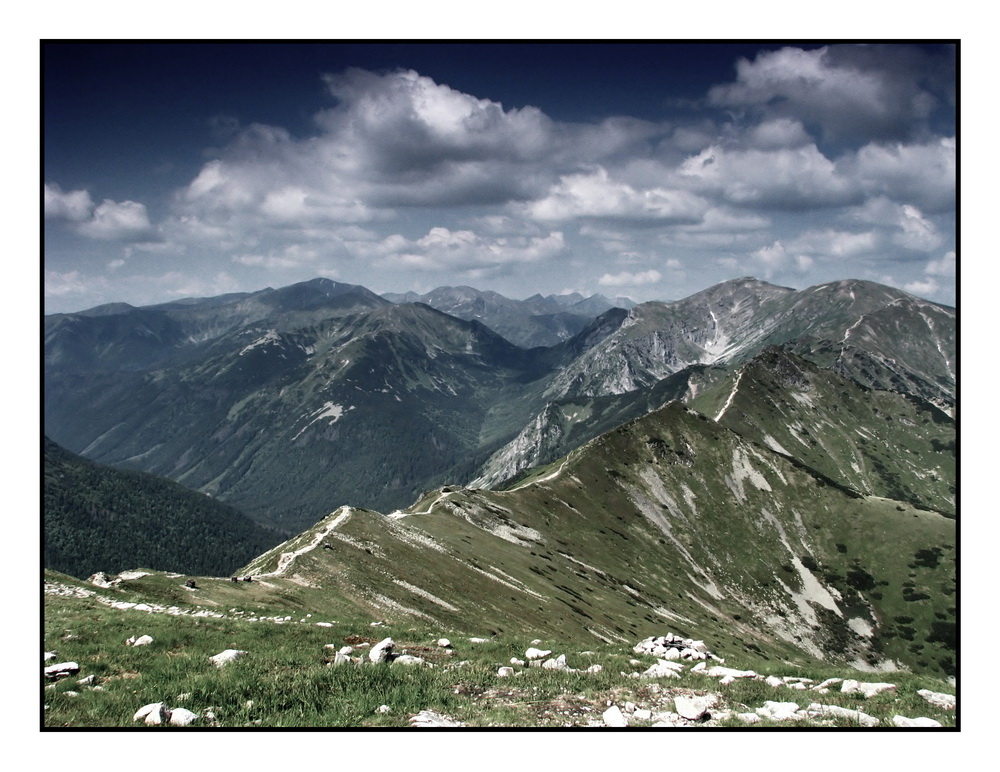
[[815, 709], [142, 640], [694, 707], [533, 653], [225, 657], [663, 669], [444, 643], [946, 701], [407, 659], [910, 722], [851, 686], [428, 718], [61, 670], [155, 713], [182, 717], [503, 672], [558, 663], [382, 651], [613, 716], [778, 711], [595, 668]]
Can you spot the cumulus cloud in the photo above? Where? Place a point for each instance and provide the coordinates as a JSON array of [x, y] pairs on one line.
[[848, 92], [113, 221], [75, 206], [595, 195], [626, 279]]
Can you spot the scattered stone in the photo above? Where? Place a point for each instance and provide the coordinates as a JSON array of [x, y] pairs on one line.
[[533, 653], [182, 717], [722, 672], [407, 659], [71, 694], [614, 717], [827, 683], [642, 714], [516, 661], [595, 668], [945, 701], [324, 624], [61, 670], [444, 643], [774, 681], [748, 718], [908, 722], [663, 669], [693, 707], [868, 689], [154, 714], [558, 663], [503, 672], [382, 651], [477, 640], [815, 709], [49, 655], [699, 668], [672, 646], [142, 640], [383, 709], [340, 659], [778, 711], [428, 718], [225, 657], [88, 681]]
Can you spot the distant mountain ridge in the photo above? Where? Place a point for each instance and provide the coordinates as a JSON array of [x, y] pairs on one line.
[[293, 401]]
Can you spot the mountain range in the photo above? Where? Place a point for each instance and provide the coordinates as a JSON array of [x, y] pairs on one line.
[[771, 468]]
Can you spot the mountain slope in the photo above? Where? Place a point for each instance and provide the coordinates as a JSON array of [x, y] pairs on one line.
[[97, 518], [669, 519]]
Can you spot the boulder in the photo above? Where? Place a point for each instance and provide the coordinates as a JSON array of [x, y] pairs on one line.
[[382, 651], [778, 711], [444, 643], [142, 640], [533, 653], [61, 670], [694, 707], [558, 663], [225, 657], [614, 717], [851, 686], [914, 722], [815, 709], [154, 714], [945, 701], [407, 659], [503, 672], [428, 718], [182, 717]]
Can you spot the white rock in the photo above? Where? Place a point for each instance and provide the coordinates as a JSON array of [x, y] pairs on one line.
[[815, 709], [946, 701], [153, 713], [71, 694], [225, 657], [614, 717], [662, 669], [142, 640], [324, 624], [693, 707], [595, 668], [428, 718], [778, 711], [345, 650], [558, 663], [670, 654], [182, 717], [516, 661], [383, 709], [827, 683], [748, 718], [49, 655], [533, 653], [477, 640], [774, 681], [407, 659], [88, 681], [868, 689], [61, 670], [642, 714], [444, 643], [699, 668], [503, 672], [381, 651], [922, 721], [721, 672]]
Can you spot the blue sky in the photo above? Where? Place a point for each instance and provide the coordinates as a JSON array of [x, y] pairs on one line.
[[639, 169]]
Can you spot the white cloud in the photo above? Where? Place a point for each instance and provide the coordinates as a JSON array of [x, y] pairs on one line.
[[595, 195], [626, 279], [75, 206], [112, 221], [943, 267]]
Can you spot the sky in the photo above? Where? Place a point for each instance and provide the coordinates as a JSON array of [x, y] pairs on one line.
[[646, 170]]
